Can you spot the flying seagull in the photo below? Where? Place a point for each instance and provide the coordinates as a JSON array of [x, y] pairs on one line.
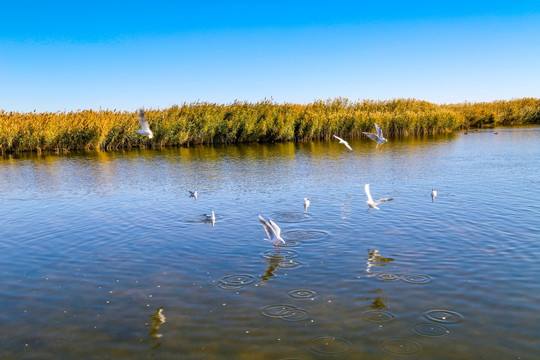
[[373, 204], [273, 231], [341, 141], [307, 202], [145, 129], [433, 194], [193, 194], [378, 137]]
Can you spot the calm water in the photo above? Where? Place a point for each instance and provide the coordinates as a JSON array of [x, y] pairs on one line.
[[105, 255]]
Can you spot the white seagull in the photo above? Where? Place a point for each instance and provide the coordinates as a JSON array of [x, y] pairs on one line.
[[433, 194], [378, 137], [145, 129], [306, 203], [273, 231], [193, 194], [210, 216], [341, 141], [373, 204]]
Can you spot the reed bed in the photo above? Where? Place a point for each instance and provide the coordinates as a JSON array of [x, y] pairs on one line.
[[240, 122]]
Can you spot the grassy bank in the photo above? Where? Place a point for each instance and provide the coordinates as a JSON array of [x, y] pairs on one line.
[[265, 121]]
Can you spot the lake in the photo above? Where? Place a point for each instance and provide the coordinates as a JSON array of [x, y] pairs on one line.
[[105, 255]]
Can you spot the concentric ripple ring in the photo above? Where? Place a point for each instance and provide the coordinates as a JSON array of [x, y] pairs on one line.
[[302, 294], [444, 316], [430, 330], [400, 346], [330, 345], [378, 316], [416, 278], [387, 277]]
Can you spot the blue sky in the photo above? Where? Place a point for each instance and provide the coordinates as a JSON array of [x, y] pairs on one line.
[[69, 55]]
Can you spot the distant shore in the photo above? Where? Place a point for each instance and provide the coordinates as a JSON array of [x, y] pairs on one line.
[[243, 122]]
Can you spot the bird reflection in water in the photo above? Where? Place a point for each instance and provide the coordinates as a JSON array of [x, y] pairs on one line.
[[378, 303], [156, 320], [273, 263], [375, 259]]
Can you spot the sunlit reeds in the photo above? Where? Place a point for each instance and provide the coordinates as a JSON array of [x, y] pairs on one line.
[[264, 121]]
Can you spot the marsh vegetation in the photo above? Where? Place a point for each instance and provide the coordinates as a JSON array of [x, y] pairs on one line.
[[241, 122]]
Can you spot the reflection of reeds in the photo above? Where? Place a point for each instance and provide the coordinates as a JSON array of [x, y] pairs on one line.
[[264, 121]]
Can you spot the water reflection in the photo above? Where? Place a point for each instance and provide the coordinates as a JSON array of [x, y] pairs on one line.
[[379, 303], [126, 218], [375, 259], [273, 263], [156, 320]]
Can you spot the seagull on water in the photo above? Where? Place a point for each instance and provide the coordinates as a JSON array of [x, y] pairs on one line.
[[341, 141], [145, 129], [373, 204], [378, 137], [193, 194], [210, 216], [273, 231], [433, 194], [307, 202]]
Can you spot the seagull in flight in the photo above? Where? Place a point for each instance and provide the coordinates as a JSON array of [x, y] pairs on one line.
[[307, 202], [378, 137], [373, 204], [210, 216], [341, 141], [145, 129], [193, 194], [273, 231], [433, 194]]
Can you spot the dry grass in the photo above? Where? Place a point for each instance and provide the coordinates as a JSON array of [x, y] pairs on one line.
[[265, 121]]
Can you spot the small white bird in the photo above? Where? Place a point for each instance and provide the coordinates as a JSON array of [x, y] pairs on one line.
[[378, 137], [433, 194], [341, 141], [193, 194], [373, 204], [307, 202], [145, 129], [210, 216], [273, 231]]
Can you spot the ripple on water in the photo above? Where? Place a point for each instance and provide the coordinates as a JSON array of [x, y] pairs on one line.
[[306, 235], [291, 217], [378, 316], [289, 264], [444, 316], [330, 345], [387, 277], [302, 294], [400, 346], [282, 253], [291, 243], [416, 278], [235, 281], [285, 312], [430, 330]]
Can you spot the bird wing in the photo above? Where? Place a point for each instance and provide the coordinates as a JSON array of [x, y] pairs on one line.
[[382, 200], [368, 193], [337, 137], [371, 136], [269, 229], [143, 121], [379, 131], [276, 228], [347, 145]]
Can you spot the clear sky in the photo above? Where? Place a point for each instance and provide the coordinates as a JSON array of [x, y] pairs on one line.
[[69, 55]]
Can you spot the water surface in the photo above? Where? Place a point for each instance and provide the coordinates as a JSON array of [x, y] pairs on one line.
[[105, 255]]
